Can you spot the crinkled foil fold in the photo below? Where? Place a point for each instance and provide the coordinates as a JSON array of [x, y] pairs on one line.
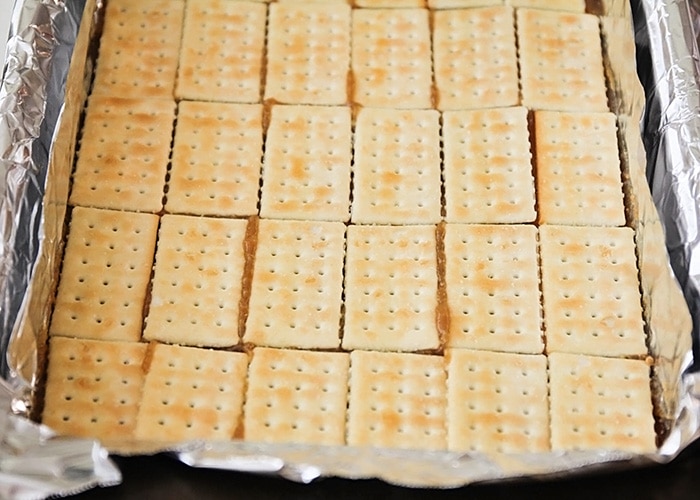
[[40, 107]]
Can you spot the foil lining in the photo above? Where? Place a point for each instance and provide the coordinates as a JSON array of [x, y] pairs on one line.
[[33, 462], [37, 101], [669, 67]]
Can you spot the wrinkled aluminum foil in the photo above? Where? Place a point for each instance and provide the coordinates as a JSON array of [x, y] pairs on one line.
[[33, 462], [37, 94]]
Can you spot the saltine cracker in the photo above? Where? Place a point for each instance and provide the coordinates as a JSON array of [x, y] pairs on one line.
[[216, 159], [296, 288], [391, 288], [192, 393], [197, 282], [306, 167], [93, 388], [123, 154], [308, 53], [297, 396], [105, 275], [212, 69]]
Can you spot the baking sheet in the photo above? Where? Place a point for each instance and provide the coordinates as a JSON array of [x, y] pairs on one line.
[[38, 93]]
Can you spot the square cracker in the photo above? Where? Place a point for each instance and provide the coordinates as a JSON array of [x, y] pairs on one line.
[[497, 402], [139, 48], [308, 53], [197, 281], [600, 403], [561, 61], [391, 288], [579, 180], [391, 59], [590, 291], [492, 283], [222, 51], [216, 161], [105, 275], [397, 400], [123, 154], [396, 167], [306, 168], [297, 282], [93, 388], [475, 59], [487, 167], [192, 393], [297, 396]]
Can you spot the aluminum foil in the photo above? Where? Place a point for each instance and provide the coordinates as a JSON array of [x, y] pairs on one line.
[[40, 103], [669, 68], [33, 462]]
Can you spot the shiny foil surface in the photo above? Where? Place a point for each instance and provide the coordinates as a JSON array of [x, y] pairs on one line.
[[40, 107]]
